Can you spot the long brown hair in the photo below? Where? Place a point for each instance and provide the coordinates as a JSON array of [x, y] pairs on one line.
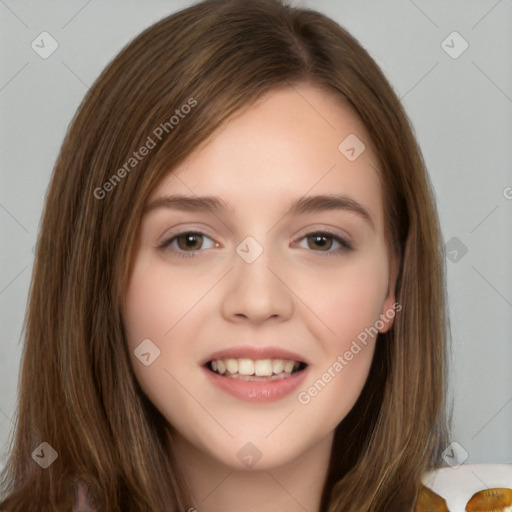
[[77, 390]]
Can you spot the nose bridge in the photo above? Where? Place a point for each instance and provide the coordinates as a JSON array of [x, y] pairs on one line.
[[252, 264], [256, 292]]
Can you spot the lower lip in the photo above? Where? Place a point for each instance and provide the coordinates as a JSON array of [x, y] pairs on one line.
[[257, 391]]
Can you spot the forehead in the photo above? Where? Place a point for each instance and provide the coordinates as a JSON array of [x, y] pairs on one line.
[[292, 142]]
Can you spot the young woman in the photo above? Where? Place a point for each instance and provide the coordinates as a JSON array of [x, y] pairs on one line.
[[238, 298]]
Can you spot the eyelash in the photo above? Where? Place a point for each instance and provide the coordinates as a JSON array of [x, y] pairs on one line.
[[346, 246]]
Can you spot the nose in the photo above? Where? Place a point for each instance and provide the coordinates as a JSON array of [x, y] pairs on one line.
[[257, 291]]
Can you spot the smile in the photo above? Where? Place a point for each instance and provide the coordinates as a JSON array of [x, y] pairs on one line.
[[255, 380], [255, 369]]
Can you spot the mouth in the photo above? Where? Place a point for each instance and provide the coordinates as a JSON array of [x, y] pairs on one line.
[[256, 374], [255, 370]]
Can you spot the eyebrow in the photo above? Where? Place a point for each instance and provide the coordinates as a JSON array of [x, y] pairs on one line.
[[303, 205]]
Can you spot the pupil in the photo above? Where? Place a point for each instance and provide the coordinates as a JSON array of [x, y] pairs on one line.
[[318, 238], [190, 239]]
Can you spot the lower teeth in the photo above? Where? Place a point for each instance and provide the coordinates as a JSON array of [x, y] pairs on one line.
[[275, 376]]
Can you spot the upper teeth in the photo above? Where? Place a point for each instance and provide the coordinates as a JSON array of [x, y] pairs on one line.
[[258, 367]]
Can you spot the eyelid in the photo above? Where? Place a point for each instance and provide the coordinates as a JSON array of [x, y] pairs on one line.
[[183, 229]]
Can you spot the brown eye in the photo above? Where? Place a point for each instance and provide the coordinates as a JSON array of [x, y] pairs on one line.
[[189, 241], [322, 241]]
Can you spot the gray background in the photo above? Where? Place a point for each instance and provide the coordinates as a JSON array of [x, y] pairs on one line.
[[461, 110]]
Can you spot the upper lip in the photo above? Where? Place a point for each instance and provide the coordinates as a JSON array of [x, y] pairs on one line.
[[252, 352]]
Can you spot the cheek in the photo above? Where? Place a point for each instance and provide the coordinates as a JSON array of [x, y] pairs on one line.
[[157, 300], [347, 300], [156, 306], [348, 303], [349, 306], [334, 389]]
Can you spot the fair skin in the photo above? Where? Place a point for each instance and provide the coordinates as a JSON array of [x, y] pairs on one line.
[[303, 294]]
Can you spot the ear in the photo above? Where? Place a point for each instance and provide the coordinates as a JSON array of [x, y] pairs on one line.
[[390, 306]]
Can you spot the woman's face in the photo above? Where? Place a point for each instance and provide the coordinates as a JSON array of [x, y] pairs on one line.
[[262, 283]]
